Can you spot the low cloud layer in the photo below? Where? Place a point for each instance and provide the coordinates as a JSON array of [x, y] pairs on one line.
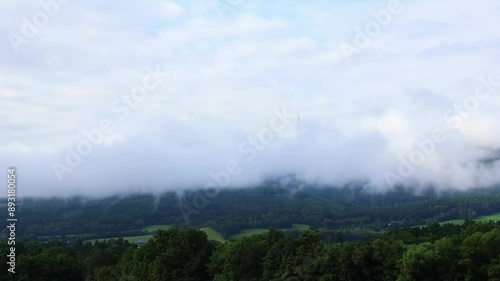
[[185, 93]]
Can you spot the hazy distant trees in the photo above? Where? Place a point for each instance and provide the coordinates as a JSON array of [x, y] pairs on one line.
[[232, 211]]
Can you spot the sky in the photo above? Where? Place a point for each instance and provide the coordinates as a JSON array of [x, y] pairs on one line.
[[103, 97]]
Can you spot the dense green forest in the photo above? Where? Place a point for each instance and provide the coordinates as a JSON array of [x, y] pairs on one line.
[[350, 210], [470, 251]]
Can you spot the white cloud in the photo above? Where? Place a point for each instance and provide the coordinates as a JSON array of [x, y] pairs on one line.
[[225, 78], [172, 10]]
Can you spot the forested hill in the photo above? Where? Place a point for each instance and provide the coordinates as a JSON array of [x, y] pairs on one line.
[[349, 210]]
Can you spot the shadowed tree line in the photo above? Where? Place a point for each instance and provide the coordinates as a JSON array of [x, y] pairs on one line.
[[450, 252]]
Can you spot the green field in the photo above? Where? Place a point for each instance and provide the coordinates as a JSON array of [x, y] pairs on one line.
[[153, 228], [250, 232], [131, 239], [257, 231], [494, 217], [301, 227], [212, 234]]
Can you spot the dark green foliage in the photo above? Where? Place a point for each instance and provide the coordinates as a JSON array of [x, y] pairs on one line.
[[449, 252], [176, 254], [239, 260]]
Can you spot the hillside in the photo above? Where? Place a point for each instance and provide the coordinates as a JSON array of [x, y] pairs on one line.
[[352, 211]]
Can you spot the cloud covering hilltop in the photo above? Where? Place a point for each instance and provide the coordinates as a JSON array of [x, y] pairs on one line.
[[99, 97]]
